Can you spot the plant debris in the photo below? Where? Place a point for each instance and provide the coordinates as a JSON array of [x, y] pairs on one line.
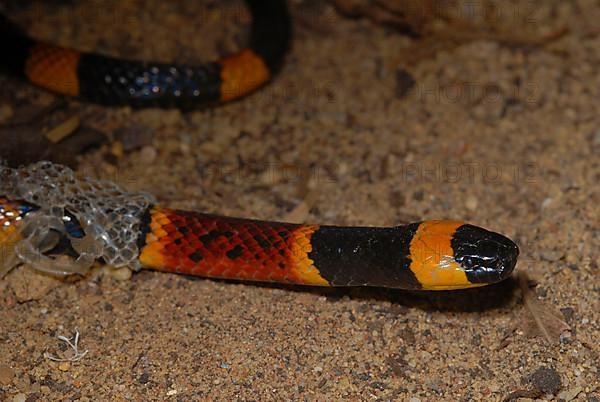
[[547, 319]]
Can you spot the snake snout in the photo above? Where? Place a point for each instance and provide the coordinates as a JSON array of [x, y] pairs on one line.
[[486, 257]]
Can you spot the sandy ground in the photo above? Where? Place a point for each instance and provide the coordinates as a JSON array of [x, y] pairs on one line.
[[500, 130]]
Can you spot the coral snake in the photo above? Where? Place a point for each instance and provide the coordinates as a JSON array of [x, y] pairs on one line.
[[45, 209], [113, 81]]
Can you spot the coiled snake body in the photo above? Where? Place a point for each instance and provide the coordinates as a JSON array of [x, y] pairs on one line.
[[113, 81]]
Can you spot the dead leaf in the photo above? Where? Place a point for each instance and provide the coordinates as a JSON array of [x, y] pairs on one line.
[[300, 213], [29, 285], [306, 188], [547, 319], [63, 130]]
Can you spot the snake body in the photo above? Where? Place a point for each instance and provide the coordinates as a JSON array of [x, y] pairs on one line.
[[129, 229], [44, 206], [114, 81], [430, 255]]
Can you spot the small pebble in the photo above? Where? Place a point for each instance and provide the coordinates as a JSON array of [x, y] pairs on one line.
[[565, 337], [471, 203], [116, 149], [20, 397], [569, 394], [546, 380], [148, 155], [6, 374], [546, 203], [121, 274], [171, 392], [64, 366], [568, 313], [144, 378], [551, 255]]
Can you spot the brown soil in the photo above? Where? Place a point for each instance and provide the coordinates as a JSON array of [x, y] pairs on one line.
[[501, 129]]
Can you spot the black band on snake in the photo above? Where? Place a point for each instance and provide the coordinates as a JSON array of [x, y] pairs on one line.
[[114, 81]]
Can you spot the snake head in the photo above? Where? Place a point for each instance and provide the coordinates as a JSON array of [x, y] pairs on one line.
[[485, 257], [454, 255]]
